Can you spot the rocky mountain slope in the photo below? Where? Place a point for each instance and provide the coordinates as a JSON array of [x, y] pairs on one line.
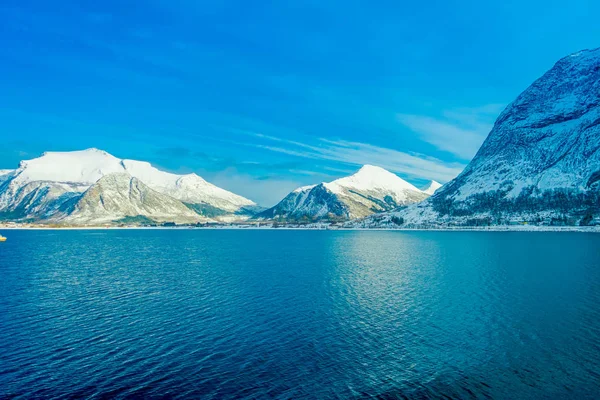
[[117, 196], [370, 190], [540, 163], [191, 188], [5, 174], [46, 188]]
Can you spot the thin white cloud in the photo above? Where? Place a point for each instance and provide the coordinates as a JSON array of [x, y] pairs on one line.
[[459, 131], [355, 153], [408, 165]]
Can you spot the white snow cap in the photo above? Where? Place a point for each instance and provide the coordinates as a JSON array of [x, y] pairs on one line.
[[86, 167], [431, 187], [370, 177], [369, 190], [304, 188]]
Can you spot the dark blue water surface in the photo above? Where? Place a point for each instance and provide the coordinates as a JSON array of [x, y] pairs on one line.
[[299, 314]]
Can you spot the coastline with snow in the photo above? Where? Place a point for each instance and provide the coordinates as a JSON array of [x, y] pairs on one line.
[[319, 227]]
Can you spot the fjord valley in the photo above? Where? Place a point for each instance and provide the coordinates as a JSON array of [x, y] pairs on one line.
[[540, 165], [299, 200], [93, 188]]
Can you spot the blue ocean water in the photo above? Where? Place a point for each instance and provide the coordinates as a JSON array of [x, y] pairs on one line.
[[299, 314]]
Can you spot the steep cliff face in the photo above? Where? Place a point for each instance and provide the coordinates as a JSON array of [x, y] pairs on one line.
[[541, 161], [547, 138]]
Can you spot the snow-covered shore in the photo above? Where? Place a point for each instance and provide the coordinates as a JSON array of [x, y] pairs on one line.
[[525, 228]]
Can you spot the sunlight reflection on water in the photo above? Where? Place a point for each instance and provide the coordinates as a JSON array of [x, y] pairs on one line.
[[293, 314]]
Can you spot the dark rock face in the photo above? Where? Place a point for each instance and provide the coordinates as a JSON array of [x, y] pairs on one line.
[[544, 150], [548, 137], [540, 162], [311, 204], [369, 191]]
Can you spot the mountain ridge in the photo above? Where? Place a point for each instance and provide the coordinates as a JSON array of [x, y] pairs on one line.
[[540, 163], [119, 195], [43, 187], [370, 190], [431, 187]]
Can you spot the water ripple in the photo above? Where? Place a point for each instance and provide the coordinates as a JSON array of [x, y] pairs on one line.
[[293, 314]]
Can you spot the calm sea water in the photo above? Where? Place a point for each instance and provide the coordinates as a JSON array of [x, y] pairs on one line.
[[299, 314]]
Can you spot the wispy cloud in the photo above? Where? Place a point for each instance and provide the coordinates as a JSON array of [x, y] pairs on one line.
[[458, 131], [415, 166]]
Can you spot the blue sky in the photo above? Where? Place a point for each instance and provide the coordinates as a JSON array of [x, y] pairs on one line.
[[262, 97]]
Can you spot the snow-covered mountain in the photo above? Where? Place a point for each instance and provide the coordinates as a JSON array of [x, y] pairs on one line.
[[189, 188], [540, 163], [370, 190], [431, 187], [46, 187], [117, 196], [5, 174]]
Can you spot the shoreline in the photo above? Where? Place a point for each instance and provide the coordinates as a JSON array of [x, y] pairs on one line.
[[531, 228]]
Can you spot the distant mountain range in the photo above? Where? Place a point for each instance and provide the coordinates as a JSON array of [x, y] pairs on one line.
[[370, 190], [92, 186], [431, 187], [539, 165]]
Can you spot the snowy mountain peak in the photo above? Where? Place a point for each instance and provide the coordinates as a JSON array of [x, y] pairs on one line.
[[370, 177], [93, 150], [540, 163], [191, 179], [369, 190], [82, 167], [88, 166], [303, 188], [41, 187], [547, 138], [431, 187], [371, 169]]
